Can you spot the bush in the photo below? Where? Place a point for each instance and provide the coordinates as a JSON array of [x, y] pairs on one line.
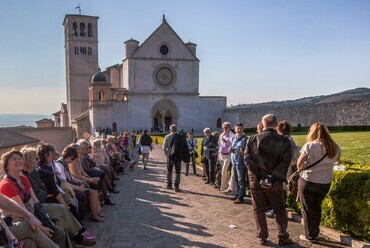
[[158, 140], [347, 206]]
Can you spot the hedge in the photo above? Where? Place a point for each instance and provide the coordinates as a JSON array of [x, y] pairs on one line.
[[347, 206]]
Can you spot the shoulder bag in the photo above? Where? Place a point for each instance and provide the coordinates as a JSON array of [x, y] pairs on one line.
[[43, 216], [292, 187]]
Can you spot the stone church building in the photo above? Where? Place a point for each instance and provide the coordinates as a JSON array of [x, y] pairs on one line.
[[155, 85]]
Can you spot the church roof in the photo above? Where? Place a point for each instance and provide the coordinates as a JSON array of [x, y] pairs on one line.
[[44, 120], [99, 78], [113, 66], [10, 139], [66, 16], [82, 115], [191, 43], [164, 23], [131, 40]]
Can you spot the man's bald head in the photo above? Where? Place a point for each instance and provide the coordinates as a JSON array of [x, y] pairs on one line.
[[269, 121]]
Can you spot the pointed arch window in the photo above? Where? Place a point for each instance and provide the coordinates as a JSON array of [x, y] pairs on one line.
[[82, 29], [89, 30]]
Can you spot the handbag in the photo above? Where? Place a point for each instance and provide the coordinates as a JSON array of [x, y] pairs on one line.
[[43, 216], [292, 186]]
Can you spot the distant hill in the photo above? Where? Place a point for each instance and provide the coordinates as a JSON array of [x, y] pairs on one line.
[[348, 95], [12, 120]]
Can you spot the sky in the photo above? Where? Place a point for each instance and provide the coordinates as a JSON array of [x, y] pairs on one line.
[[250, 51]]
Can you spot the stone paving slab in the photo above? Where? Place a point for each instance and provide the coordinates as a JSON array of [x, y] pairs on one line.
[[149, 215]]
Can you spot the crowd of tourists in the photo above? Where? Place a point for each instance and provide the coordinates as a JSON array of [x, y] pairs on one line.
[[46, 197], [261, 163]]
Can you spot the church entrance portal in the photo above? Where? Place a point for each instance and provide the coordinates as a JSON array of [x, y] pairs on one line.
[[164, 114]]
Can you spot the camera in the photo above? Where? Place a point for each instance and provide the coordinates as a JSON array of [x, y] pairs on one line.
[[267, 182], [14, 244]]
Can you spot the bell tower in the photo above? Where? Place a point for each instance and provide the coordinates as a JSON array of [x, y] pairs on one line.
[[81, 53]]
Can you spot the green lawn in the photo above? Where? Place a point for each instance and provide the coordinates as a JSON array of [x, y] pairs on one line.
[[355, 146]]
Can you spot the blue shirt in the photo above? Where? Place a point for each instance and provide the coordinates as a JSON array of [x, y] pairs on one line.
[[238, 144]]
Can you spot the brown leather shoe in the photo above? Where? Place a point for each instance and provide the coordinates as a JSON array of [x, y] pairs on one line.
[[234, 198], [239, 201]]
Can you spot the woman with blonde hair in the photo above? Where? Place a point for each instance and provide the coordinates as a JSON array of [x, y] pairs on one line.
[[314, 183]]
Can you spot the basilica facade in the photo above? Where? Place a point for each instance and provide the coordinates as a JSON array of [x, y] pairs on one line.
[[155, 85]]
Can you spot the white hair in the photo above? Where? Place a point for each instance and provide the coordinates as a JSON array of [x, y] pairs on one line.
[[83, 143]]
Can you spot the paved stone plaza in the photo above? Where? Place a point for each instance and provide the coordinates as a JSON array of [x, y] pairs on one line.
[[149, 215]]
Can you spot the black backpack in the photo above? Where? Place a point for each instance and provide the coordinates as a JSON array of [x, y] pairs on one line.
[[178, 149], [173, 150]]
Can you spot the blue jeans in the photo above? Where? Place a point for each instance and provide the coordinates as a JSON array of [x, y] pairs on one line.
[[170, 165], [241, 182]]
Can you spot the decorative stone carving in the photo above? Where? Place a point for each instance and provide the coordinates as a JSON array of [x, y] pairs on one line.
[[164, 75]]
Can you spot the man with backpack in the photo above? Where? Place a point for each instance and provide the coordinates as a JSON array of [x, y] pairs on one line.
[[176, 149]]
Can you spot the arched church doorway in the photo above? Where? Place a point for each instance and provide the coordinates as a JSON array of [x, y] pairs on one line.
[[164, 114], [114, 127], [157, 121]]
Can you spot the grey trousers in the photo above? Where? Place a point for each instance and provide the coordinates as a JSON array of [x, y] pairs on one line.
[[145, 159], [64, 220], [22, 231]]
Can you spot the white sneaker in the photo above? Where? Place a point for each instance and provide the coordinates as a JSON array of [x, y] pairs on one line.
[[303, 238], [225, 191]]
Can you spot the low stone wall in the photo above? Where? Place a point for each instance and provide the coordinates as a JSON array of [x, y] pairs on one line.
[[60, 137], [346, 113]]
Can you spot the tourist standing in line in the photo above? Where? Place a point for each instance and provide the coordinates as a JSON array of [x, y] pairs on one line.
[[209, 145], [284, 128], [267, 157], [192, 145], [224, 144], [176, 150], [237, 157], [314, 183], [145, 142], [213, 160]]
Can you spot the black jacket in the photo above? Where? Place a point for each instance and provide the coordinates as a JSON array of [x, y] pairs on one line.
[[212, 142], [268, 153], [145, 140]]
